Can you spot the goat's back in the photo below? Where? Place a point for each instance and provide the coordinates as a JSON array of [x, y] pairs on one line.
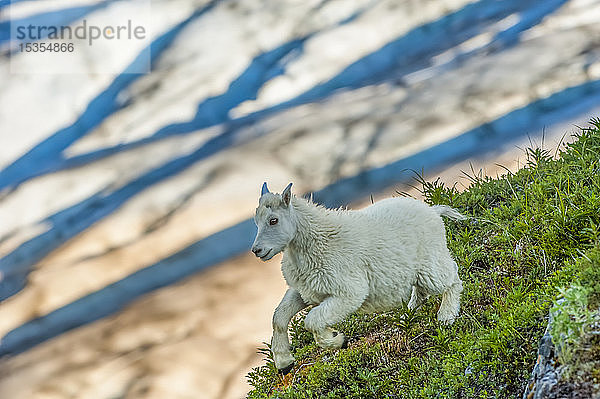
[[404, 213]]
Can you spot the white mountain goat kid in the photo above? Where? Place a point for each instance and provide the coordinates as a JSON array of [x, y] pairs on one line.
[[341, 261]]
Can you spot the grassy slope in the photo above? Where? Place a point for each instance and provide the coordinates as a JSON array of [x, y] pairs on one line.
[[526, 230]]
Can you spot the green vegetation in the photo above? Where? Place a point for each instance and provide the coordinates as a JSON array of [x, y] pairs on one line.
[[576, 327], [527, 231]]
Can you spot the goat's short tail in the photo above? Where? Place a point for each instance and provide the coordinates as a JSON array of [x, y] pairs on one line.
[[444, 210]]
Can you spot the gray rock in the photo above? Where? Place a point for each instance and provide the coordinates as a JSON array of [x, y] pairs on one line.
[[544, 376]]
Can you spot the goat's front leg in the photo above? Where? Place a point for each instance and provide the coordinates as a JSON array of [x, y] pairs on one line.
[[331, 311], [291, 304]]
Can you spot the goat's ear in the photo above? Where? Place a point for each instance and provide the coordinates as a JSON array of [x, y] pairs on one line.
[[286, 195], [264, 189]]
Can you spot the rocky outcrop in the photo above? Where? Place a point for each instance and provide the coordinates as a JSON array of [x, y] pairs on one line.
[[548, 377], [544, 377]]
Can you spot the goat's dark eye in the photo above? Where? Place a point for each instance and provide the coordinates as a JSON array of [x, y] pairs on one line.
[[273, 221]]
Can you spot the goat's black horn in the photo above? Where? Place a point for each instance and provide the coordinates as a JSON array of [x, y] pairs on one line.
[[264, 189]]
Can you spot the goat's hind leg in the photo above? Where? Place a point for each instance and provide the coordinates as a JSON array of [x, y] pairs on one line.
[[291, 304], [450, 305], [442, 278]]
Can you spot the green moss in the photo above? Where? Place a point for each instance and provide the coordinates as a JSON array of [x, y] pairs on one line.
[[518, 247], [589, 276], [576, 323]]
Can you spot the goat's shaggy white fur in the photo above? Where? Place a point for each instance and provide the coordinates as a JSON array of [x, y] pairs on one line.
[[372, 259]]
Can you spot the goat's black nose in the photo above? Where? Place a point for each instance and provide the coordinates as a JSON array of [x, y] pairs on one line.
[[256, 250]]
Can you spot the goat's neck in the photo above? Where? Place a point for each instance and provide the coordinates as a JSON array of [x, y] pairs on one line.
[[316, 226]]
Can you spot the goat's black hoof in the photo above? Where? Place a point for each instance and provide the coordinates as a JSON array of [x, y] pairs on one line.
[[345, 344], [286, 369]]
